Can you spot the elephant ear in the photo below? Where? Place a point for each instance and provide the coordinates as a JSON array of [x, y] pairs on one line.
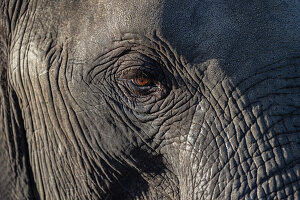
[[15, 175]]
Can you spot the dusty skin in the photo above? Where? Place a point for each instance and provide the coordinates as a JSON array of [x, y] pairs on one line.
[[149, 99]]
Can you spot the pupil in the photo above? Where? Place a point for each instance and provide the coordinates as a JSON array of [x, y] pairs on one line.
[[142, 81]]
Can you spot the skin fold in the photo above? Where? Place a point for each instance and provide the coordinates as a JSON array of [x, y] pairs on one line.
[[149, 99]]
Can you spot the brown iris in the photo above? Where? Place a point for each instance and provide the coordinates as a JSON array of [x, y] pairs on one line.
[[141, 81]]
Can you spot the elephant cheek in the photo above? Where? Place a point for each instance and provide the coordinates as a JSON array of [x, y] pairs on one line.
[[193, 161], [250, 155]]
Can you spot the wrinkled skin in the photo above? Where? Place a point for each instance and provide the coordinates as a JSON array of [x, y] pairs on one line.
[[218, 117]]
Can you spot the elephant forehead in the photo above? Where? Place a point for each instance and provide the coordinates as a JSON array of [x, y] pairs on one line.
[[188, 25], [244, 37], [198, 30], [96, 23]]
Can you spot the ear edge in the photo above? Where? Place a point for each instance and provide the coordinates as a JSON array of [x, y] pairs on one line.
[[16, 180]]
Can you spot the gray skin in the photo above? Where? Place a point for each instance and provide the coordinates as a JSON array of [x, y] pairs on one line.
[[219, 118]]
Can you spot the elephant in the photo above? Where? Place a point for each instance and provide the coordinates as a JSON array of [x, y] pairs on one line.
[[149, 99]]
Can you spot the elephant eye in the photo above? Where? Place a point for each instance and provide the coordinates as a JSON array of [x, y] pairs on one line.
[[141, 81], [140, 76]]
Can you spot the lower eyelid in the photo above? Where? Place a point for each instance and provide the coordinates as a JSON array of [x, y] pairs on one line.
[[141, 87]]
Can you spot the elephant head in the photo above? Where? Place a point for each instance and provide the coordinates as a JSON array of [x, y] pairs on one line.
[[149, 99]]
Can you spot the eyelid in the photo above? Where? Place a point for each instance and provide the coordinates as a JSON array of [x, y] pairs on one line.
[[132, 73]]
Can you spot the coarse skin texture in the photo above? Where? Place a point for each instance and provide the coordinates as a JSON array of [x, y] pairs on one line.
[[217, 115]]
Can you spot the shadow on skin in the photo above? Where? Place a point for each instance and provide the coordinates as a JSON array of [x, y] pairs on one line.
[[130, 183]]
